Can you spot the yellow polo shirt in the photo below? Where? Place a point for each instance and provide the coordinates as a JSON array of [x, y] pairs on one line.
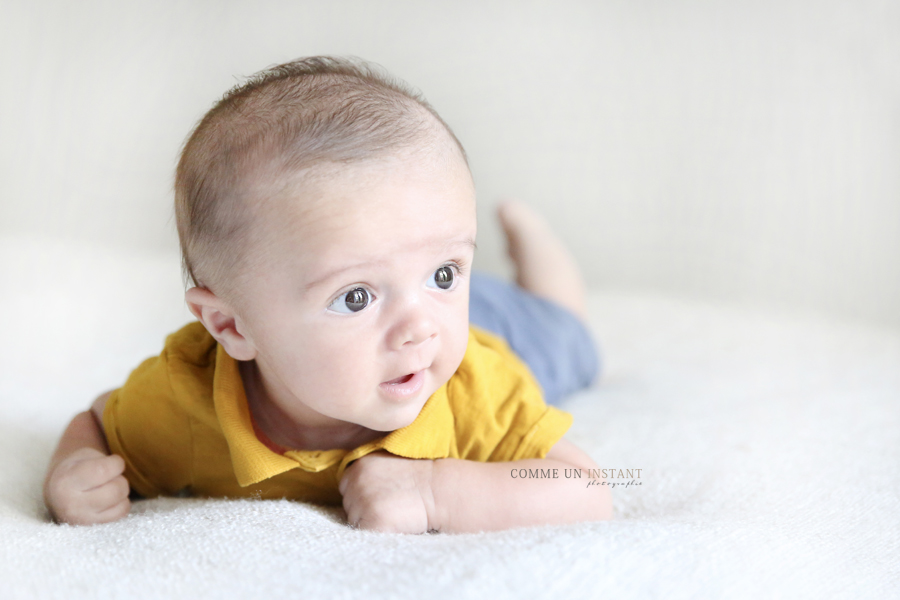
[[182, 424]]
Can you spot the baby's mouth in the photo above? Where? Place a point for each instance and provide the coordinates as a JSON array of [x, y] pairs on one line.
[[404, 387], [400, 380]]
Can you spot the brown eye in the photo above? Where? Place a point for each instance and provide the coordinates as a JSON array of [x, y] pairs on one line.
[[356, 300], [443, 277]]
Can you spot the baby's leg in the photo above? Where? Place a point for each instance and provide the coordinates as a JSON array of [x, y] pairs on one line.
[[543, 265], [543, 317]]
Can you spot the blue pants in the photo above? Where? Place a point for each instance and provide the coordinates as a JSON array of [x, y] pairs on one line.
[[552, 341]]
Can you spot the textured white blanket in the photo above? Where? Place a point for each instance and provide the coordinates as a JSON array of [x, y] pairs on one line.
[[769, 449]]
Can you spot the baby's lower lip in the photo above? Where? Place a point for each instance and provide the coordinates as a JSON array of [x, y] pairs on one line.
[[403, 387]]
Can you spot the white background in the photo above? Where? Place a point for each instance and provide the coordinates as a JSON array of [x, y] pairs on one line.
[[746, 151]]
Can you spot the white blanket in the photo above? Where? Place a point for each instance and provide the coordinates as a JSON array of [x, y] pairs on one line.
[[769, 449]]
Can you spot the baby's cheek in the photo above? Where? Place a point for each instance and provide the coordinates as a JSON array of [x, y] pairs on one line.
[[335, 366], [454, 352]]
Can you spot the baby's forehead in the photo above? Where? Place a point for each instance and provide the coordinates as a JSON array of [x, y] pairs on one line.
[[372, 204], [328, 190]]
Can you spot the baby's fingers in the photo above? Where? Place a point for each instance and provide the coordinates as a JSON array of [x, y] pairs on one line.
[[107, 496], [114, 513], [95, 472]]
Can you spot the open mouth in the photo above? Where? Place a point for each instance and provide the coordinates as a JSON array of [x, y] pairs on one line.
[[400, 380], [404, 387]]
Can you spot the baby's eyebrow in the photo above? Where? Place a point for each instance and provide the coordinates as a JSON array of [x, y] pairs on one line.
[[372, 263], [332, 274], [466, 242]]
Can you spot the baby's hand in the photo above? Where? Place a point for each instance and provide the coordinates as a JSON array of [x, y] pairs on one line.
[[88, 487], [388, 493]]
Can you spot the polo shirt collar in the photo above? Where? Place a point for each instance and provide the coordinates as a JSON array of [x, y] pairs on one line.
[[429, 436]]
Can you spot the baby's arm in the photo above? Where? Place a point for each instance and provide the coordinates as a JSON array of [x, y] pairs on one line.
[[84, 483], [385, 492], [473, 496]]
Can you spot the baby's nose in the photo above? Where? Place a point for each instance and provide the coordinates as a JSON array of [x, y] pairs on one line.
[[413, 327]]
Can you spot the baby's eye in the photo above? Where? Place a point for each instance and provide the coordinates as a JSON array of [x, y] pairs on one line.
[[443, 278], [353, 301]]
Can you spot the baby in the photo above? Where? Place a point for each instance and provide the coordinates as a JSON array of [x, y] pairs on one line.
[[327, 222]]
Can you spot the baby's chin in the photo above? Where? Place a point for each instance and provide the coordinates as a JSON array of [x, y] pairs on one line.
[[401, 418], [394, 423]]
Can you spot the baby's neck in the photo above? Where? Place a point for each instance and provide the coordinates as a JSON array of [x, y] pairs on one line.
[[285, 432]]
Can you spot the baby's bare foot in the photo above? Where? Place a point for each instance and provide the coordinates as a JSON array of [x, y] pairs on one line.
[[543, 264]]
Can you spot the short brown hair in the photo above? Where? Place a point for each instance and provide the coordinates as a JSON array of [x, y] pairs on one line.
[[285, 118]]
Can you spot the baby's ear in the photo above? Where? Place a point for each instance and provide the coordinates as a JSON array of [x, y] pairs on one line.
[[220, 321]]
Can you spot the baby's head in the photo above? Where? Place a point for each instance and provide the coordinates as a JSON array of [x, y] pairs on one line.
[[327, 221]]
